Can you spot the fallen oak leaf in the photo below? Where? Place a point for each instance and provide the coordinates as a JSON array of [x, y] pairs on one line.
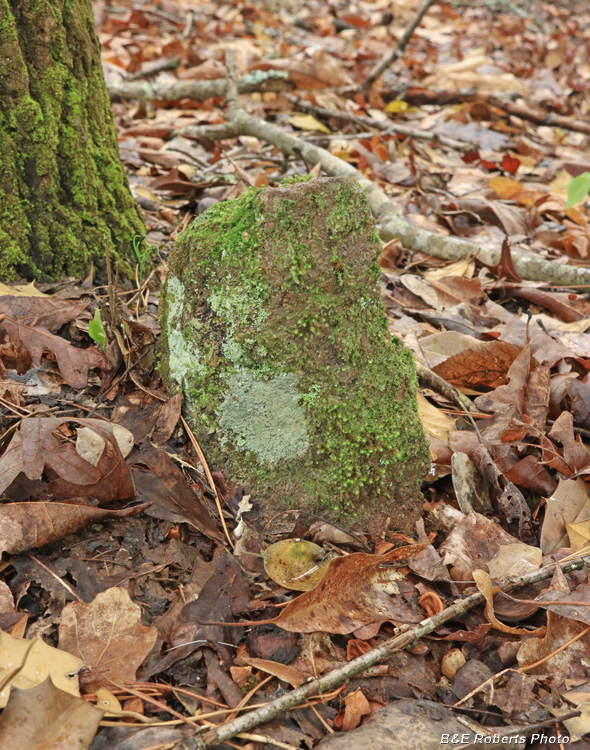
[[73, 363], [485, 364], [24, 526], [115, 481], [38, 445], [50, 313]]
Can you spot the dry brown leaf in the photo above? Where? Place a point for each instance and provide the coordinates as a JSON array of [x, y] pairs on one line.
[[282, 671], [107, 635], [483, 582], [47, 718], [173, 499], [484, 365], [25, 526], [50, 313], [356, 706], [73, 363], [568, 503], [44, 442], [358, 590]]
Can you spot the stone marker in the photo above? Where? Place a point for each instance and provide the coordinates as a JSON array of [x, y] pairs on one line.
[[272, 324]]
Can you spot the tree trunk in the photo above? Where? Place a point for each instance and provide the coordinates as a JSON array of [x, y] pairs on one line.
[[62, 187]]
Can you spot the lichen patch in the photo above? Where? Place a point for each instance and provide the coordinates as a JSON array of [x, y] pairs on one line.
[[265, 417], [184, 356]]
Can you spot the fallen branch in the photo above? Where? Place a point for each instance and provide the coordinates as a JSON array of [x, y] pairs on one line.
[[405, 637], [166, 90], [526, 111], [384, 125], [391, 222], [401, 46]]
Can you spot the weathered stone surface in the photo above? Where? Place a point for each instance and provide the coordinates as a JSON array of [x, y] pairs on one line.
[[273, 327]]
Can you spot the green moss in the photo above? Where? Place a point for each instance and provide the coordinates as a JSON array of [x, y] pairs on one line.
[[302, 394], [62, 186]]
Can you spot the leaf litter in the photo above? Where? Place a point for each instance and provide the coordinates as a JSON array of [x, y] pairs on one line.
[[120, 558]]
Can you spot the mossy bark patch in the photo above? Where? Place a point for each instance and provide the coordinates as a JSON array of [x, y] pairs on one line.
[[274, 329], [62, 186]]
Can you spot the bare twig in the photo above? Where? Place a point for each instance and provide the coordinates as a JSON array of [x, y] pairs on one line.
[[525, 110], [440, 385], [383, 125], [401, 46], [405, 637], [152, 70], [210, 479]]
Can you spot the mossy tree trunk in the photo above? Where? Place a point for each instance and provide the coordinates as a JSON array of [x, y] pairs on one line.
[[62, 186]]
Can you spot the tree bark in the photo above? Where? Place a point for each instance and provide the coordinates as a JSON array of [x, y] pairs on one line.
[[62, 187]]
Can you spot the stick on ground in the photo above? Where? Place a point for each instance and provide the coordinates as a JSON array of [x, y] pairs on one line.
[[405, 637], [397, 51]]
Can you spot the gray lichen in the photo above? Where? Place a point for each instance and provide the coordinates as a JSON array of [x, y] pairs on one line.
[[265, 416]]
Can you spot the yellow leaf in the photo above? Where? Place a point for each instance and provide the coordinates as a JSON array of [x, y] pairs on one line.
[[308, 122], [397, 106], [505, 188], [292, 563], [40, 661], [20, 290], [434, 421]]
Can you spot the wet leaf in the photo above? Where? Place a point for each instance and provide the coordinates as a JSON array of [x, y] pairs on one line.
[[292, 563]]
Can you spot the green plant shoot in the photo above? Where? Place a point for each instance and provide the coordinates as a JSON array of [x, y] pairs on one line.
[[141, 255], [96, 330], [578, 189]]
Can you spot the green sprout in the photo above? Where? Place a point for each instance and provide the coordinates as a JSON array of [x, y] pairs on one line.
[[142, 255], [96, 330]]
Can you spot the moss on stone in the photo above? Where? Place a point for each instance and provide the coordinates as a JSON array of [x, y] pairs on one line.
[[273, 325], [62, 186]]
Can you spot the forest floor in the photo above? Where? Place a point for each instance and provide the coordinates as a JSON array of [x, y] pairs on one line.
[[116, 556]]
